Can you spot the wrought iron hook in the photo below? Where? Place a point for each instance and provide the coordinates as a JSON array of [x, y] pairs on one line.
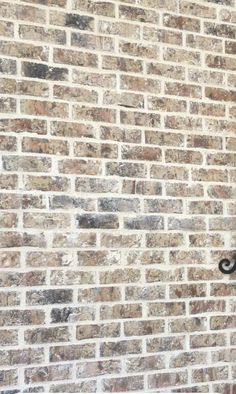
[[226, 266]]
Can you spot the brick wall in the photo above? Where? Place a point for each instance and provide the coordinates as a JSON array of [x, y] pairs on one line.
[[117, 195]]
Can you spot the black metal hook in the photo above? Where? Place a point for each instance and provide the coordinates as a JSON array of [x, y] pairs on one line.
[[226, 266]]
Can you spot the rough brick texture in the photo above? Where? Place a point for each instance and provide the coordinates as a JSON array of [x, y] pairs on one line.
[[117, 195]]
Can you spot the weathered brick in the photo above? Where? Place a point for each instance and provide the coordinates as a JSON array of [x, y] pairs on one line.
[[103, 221], [126, 169], [182, 56], [123, 384], [207, 340], [181, 22], [183, 156], [150, 222], [166, 379], [17, 317], [72, 352], [23, 50], [97, 368], [75, 58], [122, 64], [141, 187], [139, 84], [138, 14], [166, 309], [141, 328], [48, 373], [38, 33], [163, 344], [92, 42], [139, 50], [120, 311], [42, 71], [106, 330], [72, 314], [209, 374], [119, 348], [47, 335], [126, 275], [164, 240], [76, 21], [45, 297], [94, 7], [46, 183]]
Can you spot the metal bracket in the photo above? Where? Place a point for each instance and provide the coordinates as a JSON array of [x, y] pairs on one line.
[[226, 266]]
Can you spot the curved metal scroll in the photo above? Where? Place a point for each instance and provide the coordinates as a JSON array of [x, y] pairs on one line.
[[226, 266]]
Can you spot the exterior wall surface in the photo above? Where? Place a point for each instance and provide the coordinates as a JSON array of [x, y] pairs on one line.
[[117, 196]]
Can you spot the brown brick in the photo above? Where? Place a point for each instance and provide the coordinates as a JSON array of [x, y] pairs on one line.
[[205, 240], [127, 275], [75, 58], [42, 71], [166, 379], [94, 150], [207, 340], [126, 169], [16, 317], [136, 293], [195, 9], [122, 64], [119, 348], [224, 63], [38, 33], [168, 105], [138, 14], [220, 30], [140, 119], [71, 277], [164, 275], [97, 368], [204, 43], [48, 373], [140, 153], [123, 384], [7, 105], [94, 114], [205, 208], [188, 358], [182, 56], [88, 386], [106, 330], [74, 240], [75, 21], [45, 297], [197, 307], [8, 377], [47, 335], [187, 257], [98, 185], [188, 290], [163, 344], [209, 374], [179, 89], [72, 352], [8, 337], [164, 240], [181, 156], [143, 364], [120, 311], [9, 259], [92, 42], [184, 190], [139, 50], [20, 49], [103, 294], [169, 172], [207, 109], [121, 29], [141, 187], [46, 183], [23, 125], [21, 357], [23, 12], [183, 123], [74, 130], [181, 22], [72, 314], [95, 7], [164, 70], [199, 141], [139, 84], [30, 278], [188, 324], [166, 309], [142, 328]]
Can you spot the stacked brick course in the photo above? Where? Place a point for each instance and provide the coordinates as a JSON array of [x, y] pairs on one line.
[[117, 200]]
